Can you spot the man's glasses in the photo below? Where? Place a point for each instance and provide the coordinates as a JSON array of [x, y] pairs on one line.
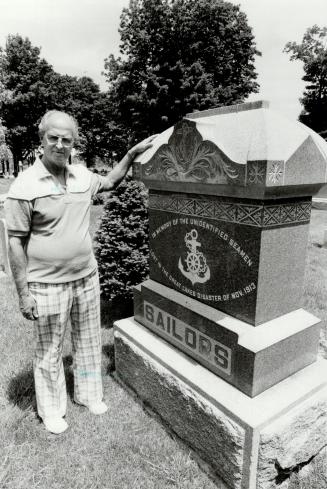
[[66, 142]]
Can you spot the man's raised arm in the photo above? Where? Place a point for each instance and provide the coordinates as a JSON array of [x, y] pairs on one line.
[[119, 172]]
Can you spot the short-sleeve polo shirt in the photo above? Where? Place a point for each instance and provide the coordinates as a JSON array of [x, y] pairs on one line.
[[55, 221]]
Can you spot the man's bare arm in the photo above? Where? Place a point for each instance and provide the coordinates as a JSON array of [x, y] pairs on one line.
[[17, 259], [119, 172]]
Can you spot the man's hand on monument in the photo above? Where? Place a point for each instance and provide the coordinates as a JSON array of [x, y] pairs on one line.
[[28, 307], [142, 146], [119, 171]]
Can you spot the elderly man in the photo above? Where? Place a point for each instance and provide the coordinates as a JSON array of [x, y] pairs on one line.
[[54, 268]]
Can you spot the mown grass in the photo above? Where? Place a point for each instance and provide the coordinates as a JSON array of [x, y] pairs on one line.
[[126, 448], [315, 282]]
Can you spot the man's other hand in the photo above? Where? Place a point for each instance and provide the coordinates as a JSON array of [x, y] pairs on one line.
[[142, 146], [28, 307]]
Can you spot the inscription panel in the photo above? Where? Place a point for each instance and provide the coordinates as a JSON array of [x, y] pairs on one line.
[[195, 342], [215, 263]]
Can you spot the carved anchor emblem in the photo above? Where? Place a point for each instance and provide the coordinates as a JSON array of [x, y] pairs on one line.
[[197, 269]]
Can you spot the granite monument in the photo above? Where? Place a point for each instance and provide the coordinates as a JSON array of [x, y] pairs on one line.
[[219, 345]]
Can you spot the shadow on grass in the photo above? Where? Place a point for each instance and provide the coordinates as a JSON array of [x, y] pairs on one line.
[[68, 362], [21, 391], [109, 352]]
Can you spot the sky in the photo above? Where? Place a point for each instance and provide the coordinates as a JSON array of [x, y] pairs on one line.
[[77, 35]]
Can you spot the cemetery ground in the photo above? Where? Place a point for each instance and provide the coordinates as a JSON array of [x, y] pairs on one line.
[[125, 448]]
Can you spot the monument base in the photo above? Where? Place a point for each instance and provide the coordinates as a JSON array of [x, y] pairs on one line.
[[250, 358], [250, 443]]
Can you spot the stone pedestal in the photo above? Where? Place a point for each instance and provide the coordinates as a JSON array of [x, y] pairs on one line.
[[250, 443], [251, 359]]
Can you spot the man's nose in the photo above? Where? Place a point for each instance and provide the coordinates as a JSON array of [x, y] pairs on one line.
[[59, 143]]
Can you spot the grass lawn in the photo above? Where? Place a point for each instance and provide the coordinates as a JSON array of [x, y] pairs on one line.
[[125, 448], [322, 192], [315, 282]]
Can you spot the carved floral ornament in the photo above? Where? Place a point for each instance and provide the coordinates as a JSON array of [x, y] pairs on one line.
[[256, 173], [275, 174], [187, 158]]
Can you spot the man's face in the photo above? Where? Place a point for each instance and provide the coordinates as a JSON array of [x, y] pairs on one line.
[[57, 142]]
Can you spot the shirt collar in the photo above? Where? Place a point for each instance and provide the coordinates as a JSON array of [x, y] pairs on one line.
[[42, 172]]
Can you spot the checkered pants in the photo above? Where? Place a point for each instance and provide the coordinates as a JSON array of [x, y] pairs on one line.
[[56, 303]]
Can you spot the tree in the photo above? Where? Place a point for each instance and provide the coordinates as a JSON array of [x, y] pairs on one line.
[[179, 56], [122, 241], [25, 76], [5, 153], [4, 93], [313, 53], [29, 87]]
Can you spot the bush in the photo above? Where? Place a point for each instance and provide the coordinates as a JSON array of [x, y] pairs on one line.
[[122, 241], [98, 199]]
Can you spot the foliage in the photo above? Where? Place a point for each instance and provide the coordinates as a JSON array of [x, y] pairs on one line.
[[98, 199], [122, 241], [4, 93], [179, 56], [25, 77], [313, 53], [29, 87], [5, 153]]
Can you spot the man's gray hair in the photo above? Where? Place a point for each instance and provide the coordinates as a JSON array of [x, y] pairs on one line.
[[44, 122]]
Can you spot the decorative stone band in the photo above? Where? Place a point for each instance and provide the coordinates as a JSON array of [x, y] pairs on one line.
[[258, 215]]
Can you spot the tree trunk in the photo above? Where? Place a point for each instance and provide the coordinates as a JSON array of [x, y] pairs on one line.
[[16, 166]]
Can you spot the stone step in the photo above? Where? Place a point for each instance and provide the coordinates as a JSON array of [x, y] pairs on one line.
[[249, 443]]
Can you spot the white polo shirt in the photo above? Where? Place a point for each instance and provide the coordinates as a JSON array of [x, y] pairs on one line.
[[55, 222]]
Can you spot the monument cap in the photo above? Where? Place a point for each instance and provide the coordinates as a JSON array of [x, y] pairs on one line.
[[246, 150]]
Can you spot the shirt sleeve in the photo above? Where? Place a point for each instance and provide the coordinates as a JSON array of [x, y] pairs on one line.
[[18, 214], [97, 184]]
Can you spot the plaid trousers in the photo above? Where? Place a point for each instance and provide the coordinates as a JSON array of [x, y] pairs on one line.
[[78, 300]]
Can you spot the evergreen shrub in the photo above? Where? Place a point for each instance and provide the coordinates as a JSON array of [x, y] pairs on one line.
[[98, 199], [122, 241]]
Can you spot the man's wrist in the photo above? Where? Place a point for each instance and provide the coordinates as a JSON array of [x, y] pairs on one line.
[[22, 294], [131, 154], [22, 298]]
